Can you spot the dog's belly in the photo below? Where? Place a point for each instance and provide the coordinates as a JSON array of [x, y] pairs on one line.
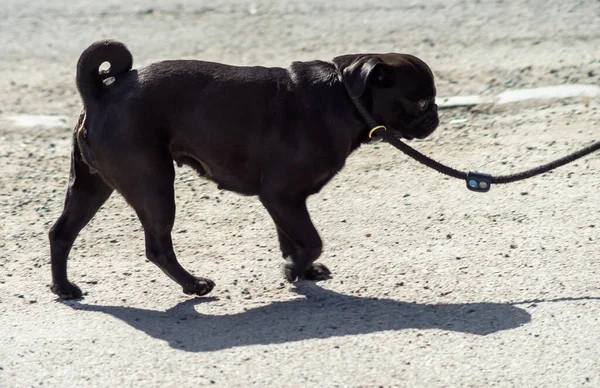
[[240, 181]]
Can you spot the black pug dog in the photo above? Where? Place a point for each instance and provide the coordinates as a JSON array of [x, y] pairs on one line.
[[280, 134]]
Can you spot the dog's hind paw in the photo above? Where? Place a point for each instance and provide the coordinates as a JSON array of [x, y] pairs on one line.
[[201, 286], [66, 291]]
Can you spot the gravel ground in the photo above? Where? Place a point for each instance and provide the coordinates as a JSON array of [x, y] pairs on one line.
[[433, 285]]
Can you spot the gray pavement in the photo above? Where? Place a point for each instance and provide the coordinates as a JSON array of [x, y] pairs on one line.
[[433, 286]]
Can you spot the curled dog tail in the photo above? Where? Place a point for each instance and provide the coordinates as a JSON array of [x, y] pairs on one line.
[[90, 80]]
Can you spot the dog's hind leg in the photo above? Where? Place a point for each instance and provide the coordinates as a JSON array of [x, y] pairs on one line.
[[147, 185], [86, 193], [297, 236]]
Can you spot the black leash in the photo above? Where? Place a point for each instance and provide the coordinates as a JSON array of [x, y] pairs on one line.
[[476, 181]]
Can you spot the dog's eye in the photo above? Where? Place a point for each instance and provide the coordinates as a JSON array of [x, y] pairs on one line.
[[423, 104]]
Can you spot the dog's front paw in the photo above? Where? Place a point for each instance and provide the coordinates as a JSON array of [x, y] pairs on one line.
[[201, 286], [66, 290], [317, 271]]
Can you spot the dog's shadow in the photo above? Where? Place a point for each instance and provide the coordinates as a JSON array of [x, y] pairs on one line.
[[321, 314]]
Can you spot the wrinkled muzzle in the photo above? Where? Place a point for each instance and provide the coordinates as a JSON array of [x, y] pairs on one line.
[[422, 126]]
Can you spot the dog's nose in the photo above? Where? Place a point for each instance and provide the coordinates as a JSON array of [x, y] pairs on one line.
[[434, 108]]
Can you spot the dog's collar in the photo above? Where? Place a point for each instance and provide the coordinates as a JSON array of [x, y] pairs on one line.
[[377, 130]]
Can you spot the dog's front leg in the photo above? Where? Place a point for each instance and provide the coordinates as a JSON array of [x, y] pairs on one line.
[[286, 245], [299, 240]]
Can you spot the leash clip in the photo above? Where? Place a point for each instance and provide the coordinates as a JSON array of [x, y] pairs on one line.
[[479, 182], [375, 129]]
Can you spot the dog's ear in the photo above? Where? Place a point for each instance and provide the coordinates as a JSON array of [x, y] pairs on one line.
[[365, 71]]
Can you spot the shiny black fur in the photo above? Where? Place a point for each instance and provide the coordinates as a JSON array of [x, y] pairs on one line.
[[280, 134]]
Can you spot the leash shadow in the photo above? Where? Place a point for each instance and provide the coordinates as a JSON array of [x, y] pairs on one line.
[[321, 314]]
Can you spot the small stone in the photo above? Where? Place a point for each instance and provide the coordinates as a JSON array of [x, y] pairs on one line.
[[146, 11]]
